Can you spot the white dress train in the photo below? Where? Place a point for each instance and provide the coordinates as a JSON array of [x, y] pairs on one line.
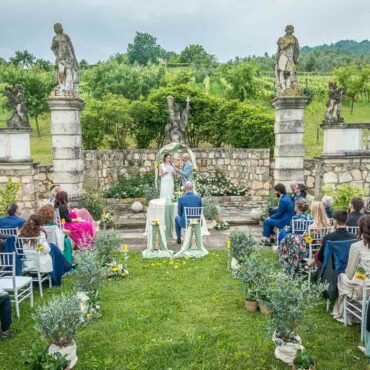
[[167, 182]]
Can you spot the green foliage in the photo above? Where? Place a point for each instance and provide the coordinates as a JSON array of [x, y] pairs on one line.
[[343, 194], [210, 210], [23, 58], [114, 77], [38, 358], [150, 193], [106, 244], [303, 360], [290, 298], [94, 202], [59, 319], [196, 55], [144, 49], [133, 186], [8, 195], [89, 272], [106, 122], [242, 245], [216, 185]]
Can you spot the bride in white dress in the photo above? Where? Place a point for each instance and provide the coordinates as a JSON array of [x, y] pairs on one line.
[[166, 171]]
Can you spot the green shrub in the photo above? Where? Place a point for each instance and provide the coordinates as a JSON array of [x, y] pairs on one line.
[[59, 319], [133, 186], [241, 245], [106, 243], [8, 195], [216, 185], [150, 193], [94, 202], [343, 194], [89, 272], [210, 210], [38, 358]]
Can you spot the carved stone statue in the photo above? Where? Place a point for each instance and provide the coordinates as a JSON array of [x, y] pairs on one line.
[[286, 63], [65, 61], [336, 95], [175, 130], [18, 117]]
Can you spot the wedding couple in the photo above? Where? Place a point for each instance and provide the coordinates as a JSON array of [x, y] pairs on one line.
[[167, 171]]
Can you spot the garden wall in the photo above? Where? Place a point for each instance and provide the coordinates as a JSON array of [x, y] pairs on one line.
[[245, 167]]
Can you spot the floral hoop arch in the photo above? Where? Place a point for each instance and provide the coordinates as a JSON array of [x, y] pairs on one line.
[[172, 149]]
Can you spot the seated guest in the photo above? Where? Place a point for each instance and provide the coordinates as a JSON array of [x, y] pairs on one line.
[[340, 233], [35, 249], [187, 200], [5, 315], [301, 208], [81, 231], [320, 219], [293, 186], [328, 203], [13, 219], [300, 192], [347, 282], [62, 241], [355, 208], [281, 217]]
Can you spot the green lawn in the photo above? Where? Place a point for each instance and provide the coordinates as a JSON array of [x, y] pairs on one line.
[[185, 316]]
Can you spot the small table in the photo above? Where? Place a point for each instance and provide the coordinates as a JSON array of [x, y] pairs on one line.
[[166, 212]]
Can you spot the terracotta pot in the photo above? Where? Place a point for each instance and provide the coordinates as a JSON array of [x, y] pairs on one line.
[[264, 309], [251, 306], [218, 218]]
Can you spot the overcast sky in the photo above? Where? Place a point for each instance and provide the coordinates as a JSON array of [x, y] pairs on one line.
[[226, 28]]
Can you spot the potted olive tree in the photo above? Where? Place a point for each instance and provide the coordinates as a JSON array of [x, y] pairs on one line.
[[58, 321], [303, 361], [290, 299], [242, 245], [106, 244]]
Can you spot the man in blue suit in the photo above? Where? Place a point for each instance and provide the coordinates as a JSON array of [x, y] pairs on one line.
[[13, 219], [187, 169], [187, 200], [281, 216]]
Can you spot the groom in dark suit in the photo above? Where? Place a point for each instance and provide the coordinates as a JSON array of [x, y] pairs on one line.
[[187, 200]]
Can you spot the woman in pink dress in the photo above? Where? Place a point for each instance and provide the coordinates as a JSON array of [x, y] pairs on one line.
[[81, 231]]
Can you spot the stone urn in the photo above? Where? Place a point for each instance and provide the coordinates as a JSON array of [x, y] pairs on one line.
[[137, 207], [286, 351]]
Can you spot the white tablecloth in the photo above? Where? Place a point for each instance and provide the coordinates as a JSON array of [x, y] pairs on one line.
[[156, 209]]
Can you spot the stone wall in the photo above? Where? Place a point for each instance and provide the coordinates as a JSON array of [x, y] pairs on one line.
[[246, 167], [34, 179]]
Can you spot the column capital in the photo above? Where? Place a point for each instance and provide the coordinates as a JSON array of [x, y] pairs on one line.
[[289, 102], [65, 103]]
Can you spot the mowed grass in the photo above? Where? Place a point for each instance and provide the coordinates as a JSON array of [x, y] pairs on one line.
[[185, 315]]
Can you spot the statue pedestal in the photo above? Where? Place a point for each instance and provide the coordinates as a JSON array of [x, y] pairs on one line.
[[345, 139], [15, 145], [68, 165], [289, 131]]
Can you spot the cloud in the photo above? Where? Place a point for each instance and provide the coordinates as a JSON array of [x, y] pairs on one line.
[[226, 28]]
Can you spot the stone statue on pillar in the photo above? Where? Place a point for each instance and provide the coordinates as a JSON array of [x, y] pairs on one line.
[[18, 117], [286, 63], [336, 95], [175, 130], [66, 63]]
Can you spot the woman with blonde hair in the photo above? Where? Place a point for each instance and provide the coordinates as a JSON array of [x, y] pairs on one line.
[[318, 212]]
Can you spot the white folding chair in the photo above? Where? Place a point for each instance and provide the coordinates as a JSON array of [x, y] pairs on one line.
[[9, 231], [18, 287], [193, 213], [300, 226], [58, 220], [357, 308], [317, 235], [353, 229], [35, 273]]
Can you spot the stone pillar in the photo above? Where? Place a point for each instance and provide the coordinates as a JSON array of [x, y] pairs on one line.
[[68, 165], [289, 131]]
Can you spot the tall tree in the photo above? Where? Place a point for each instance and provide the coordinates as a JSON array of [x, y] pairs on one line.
[[197, 55], [24, 58], [143, 49]]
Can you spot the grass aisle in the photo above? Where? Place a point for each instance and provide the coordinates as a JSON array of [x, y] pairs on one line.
[[185, 316]]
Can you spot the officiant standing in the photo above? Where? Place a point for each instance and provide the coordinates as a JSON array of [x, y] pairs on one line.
[[186, 170]]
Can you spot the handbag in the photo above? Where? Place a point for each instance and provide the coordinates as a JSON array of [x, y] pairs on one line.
[[327, 274]]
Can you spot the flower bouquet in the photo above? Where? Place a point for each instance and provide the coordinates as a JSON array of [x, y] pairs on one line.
[[221, 225], [116, 271], [93, 311], [106, 220]]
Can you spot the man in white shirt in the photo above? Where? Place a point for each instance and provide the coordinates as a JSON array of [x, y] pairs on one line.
[[5, 315]]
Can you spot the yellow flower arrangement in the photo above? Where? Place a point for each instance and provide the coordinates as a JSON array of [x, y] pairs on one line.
[[88, 315], [40, 248], [360, 273], [194, 221], [155, 164], [155, 222], [63, 221], [308, 239], [115, 269], [228, 244], [125, 247]]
